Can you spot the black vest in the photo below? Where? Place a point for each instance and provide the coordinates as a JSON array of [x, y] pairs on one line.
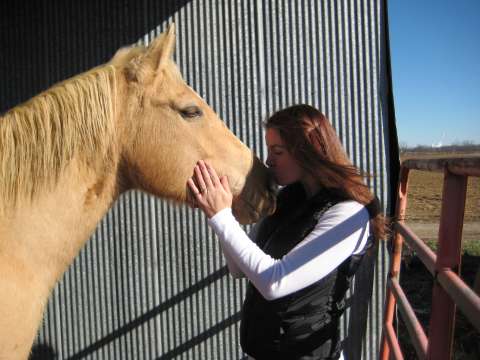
[[302, 325]]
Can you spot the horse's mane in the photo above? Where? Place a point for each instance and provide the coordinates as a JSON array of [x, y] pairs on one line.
[[40, 137]]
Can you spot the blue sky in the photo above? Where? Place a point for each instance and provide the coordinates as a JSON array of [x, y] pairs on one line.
[[435, 50]]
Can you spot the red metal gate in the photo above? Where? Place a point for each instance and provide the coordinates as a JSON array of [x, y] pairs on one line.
[[449, 290]]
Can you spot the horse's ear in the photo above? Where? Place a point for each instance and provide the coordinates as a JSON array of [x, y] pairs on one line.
[[168, 46], [147, 63], [162, 49]]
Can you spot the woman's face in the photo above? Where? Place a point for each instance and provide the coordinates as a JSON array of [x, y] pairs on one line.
[[282, 164]]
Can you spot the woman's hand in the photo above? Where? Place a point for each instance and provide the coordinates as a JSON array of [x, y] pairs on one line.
[[212, 194]]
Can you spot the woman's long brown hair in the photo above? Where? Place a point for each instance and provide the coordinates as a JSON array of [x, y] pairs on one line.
[[313, 142]]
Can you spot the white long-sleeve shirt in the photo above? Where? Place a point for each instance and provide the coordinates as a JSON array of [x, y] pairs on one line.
[[343, 230]]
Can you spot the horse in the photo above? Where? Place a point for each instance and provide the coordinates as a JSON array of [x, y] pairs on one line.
[[68, 153]]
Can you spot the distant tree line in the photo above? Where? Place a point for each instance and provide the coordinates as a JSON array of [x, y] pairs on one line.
[[463, 147]]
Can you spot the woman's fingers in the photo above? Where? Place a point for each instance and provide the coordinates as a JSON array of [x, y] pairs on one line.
[[193, 187], [211, 194], [202, 186], [213, 174], [192, 199], [225, 184], [206, 175]]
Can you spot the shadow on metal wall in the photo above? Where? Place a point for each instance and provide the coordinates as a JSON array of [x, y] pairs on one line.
[[46, 352], [358, 309], [46, 41]]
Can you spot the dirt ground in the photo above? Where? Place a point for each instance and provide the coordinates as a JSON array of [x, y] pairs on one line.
[[423, 214], [417, 284], [424, 206]]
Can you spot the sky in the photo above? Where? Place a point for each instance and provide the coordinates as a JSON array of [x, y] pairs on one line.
[[435, 56]]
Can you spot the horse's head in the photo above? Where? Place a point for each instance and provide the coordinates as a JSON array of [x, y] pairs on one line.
[[168, 128]]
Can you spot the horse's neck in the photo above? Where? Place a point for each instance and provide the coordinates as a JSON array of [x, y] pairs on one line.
[[37, 243], [49, 232]]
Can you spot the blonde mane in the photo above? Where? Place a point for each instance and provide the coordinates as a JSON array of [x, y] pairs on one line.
[[74, 118]]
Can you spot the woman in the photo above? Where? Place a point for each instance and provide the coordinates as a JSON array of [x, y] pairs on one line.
[[301, 259]]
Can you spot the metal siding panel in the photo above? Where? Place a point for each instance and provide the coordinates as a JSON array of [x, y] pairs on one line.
[[151, 282]]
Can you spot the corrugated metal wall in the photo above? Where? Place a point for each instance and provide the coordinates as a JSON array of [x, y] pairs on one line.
[[151, 283]]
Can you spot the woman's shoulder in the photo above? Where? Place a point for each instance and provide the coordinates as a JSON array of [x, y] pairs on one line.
[[350, 205], [348, 209]]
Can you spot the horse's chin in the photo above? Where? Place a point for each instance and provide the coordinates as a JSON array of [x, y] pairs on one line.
[[243, 210]]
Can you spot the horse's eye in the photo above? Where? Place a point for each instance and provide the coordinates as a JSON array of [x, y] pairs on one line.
[[191, 112]]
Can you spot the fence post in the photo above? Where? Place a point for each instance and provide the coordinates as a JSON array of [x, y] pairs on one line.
[[396, 260], [442, 318]]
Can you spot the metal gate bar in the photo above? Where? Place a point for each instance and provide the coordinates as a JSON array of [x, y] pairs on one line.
[[449, 290]]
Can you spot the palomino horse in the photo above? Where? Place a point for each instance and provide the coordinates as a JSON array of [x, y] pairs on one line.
[[68, 153]]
